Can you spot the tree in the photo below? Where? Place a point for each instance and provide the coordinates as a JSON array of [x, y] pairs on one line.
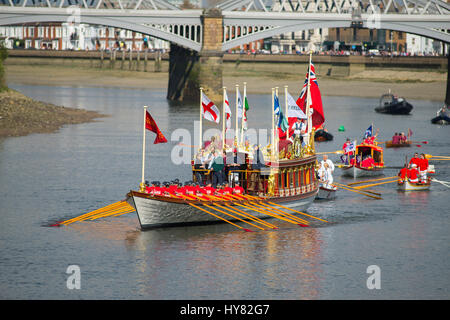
[[3, 56]]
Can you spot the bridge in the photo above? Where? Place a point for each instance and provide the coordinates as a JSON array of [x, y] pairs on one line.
[[199, 37]]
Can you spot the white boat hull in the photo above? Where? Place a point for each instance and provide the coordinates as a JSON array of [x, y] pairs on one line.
[[357, 172], [408, 186], [326, 194], [154, 213]]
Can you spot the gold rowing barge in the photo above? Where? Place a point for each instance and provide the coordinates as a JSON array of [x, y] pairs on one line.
[[292, 183]]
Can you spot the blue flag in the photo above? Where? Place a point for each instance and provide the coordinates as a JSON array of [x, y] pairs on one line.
[[276, 106], [368, 132]]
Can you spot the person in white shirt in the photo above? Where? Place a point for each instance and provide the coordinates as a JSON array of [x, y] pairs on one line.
[[329, 162], [328, 177]]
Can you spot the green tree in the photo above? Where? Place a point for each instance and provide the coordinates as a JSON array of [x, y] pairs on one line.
[[3, 56]]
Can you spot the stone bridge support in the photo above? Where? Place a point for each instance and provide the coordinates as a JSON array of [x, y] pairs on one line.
[[188, 70]]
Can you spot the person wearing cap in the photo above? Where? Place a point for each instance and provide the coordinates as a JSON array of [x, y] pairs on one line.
[[148, 188], [227, 189], [413, 174], [237, 189], [208, 190], [157, 190]]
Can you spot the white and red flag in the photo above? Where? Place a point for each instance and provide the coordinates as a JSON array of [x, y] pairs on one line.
[[227, 111], [209, 110]]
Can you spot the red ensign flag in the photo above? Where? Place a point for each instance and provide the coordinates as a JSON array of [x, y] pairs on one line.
[[150, 124]]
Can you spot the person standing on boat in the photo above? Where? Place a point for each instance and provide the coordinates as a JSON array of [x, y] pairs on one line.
[[216, 165], [345, 158], [320, 171], [415, 160], [257, 164], [329, 162], [423, 168], [299, 128], [327, 176]]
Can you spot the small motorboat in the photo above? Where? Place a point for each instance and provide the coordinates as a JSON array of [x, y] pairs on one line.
[[322, 135], [406, 185], [442, 117], [392, 104], [326, 193]]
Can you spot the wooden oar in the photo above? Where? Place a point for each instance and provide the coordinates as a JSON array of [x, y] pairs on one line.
[[219, 217], [92, 213], [371, 180], [354, 188], [304, 223], [364, 194], [335, 152], [375, 184], [305, 214], [444, 183], [429, 156], [250, 207], [234, 217], [247, 216]]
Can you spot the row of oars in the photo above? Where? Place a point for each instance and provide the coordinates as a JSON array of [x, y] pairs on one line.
[[367, 193], [113, 210], [439, 158], [359, 189], [237, 207]]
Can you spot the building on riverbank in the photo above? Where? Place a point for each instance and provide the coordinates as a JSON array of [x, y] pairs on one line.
[[67, 36]]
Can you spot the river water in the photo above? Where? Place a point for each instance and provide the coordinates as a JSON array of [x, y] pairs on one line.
[[52, 177]]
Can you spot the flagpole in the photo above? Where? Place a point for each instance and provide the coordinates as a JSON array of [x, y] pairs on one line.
[[200, 142], [308, 99], [273, 124], [143, 150], [236, 134], [223, 119], [277, 137], [243, 112], [286, 101]]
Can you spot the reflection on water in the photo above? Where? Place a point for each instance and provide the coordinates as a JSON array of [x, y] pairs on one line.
[[84, 167]]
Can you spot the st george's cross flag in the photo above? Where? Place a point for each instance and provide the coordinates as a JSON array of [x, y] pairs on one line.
[[227, 112], [209, 110], [150, 124]]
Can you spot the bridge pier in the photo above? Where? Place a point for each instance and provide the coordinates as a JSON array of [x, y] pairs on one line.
[[188, 70]]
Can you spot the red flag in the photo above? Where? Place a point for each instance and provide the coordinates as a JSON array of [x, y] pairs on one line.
[[150, 124], [318, 117]]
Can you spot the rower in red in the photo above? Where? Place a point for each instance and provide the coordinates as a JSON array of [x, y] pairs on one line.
[[413, 174]]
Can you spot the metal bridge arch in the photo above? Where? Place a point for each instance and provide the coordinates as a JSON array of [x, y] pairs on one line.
[[251, 20], [156, 18]]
